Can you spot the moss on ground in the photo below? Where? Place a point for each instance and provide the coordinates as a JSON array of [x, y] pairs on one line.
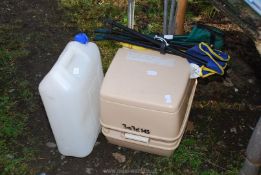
[[15, 100]]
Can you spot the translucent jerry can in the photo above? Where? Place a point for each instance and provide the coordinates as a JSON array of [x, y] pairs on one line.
[[70, 94]]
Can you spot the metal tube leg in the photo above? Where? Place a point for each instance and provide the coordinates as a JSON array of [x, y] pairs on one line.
[[132, 14], [172, 18], [131, 9], [165, 17], [253, 159]]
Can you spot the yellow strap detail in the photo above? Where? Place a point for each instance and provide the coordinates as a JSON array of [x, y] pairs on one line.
[[203, 68], [210, 56], [214, 53], [130, 46]]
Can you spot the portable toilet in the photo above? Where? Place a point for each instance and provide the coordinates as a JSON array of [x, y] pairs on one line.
[[145, 100]]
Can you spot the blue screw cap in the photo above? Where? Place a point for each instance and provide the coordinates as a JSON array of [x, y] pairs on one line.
[[81, 38]]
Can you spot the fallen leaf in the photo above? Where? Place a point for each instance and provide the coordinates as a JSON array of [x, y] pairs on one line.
[[228, 83], [190, 127], [119, 157], [50, 145], [89, 170]]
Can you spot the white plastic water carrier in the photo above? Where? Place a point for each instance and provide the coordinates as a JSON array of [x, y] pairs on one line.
[[70, 94]]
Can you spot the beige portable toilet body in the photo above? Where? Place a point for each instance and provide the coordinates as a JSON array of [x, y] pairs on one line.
[[145, 100]]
